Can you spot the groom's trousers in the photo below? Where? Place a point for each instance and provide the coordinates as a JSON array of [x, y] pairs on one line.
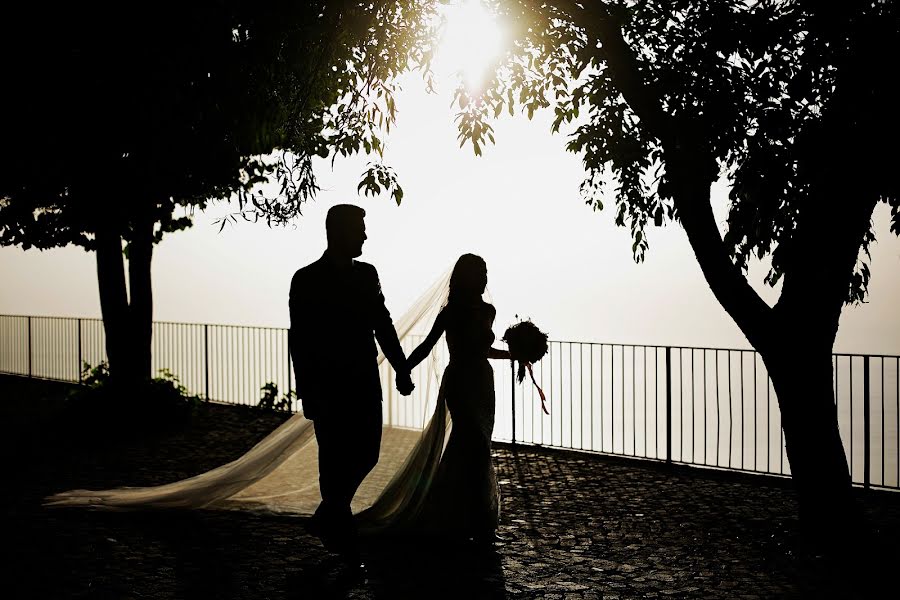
[[349, 443]]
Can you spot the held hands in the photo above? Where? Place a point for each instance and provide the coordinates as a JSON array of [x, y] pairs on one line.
[[404, 383]]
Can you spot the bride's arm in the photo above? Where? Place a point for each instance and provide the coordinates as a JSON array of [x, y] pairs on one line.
[[499, 354], [422, 350], [496, 352]]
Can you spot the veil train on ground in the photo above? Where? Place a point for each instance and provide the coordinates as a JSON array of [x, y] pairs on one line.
[[280, 473]]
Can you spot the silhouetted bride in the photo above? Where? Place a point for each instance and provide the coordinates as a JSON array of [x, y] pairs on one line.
[[463, 499]]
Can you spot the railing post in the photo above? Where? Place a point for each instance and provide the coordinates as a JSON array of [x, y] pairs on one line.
[[79, 351], [512, 389], [206, 359], [867, 424], [668, 404], [29, 347]]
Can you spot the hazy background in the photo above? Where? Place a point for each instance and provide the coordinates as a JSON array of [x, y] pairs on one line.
[[550, 257]]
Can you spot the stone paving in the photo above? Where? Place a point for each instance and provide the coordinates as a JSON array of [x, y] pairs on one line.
[[573, 526]]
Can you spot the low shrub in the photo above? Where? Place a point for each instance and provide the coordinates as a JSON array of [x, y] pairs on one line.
[[159, 403], [271, 401]]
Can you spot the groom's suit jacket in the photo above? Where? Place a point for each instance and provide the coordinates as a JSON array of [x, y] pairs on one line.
[[336, 314]]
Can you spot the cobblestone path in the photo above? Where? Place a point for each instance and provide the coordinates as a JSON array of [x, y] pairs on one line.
[[573, 526]]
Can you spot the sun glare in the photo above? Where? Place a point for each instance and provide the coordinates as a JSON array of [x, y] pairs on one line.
[[470, 43]]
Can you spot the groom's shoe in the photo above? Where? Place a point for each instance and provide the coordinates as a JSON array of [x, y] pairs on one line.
[[498, 539], [351, 555], [316, 526], [326, 531], [487, 540], [355, 569]]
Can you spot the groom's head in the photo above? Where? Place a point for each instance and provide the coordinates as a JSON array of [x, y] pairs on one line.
[[346, 230]]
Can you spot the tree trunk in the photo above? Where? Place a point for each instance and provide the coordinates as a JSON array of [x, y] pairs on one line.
[[795, 340], [113, 300], [140, 255], [128, 325], [802, 376]]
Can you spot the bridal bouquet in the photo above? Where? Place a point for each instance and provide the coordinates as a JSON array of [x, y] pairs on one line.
[[527, 345]]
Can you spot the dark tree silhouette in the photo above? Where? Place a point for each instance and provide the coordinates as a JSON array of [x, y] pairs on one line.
[[787, 100], [120, 120]]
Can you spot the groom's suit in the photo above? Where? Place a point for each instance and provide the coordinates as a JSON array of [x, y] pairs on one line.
[[337, 311]]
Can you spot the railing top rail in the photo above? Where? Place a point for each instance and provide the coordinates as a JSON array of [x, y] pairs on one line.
[[155, 322], [50, 317], [705, 348], [674, 347], [856, 355], [560, 342], [262, 327]]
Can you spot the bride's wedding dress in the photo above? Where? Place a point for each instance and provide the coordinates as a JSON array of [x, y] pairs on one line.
[[461, 498], [434, 477]]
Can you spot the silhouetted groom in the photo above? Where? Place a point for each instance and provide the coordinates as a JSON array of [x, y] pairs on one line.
[[336, 305]]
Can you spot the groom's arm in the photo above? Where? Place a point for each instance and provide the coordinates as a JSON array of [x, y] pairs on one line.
[[383, 325], [298, 337]]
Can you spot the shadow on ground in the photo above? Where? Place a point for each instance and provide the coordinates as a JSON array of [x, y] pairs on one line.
[[432, 568], [574, 526]]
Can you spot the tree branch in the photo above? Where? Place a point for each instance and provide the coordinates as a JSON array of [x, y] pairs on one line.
[[689, 166]]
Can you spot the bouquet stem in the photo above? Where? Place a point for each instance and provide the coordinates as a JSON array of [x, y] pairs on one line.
[[540, 391]]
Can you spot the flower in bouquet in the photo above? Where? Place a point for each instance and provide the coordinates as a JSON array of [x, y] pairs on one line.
[[527, 344]]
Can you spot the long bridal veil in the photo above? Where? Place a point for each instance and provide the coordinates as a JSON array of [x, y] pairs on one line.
[[280, 473]]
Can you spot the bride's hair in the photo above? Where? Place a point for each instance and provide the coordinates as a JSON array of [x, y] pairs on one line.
[[468, 279]]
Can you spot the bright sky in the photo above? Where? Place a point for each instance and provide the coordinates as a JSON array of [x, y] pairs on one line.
[[550, 257]]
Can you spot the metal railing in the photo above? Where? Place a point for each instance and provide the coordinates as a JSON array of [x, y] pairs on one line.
[[712, 407]]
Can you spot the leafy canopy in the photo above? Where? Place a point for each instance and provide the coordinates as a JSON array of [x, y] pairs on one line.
[[130, 112], [756, 88], [110, 120]]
